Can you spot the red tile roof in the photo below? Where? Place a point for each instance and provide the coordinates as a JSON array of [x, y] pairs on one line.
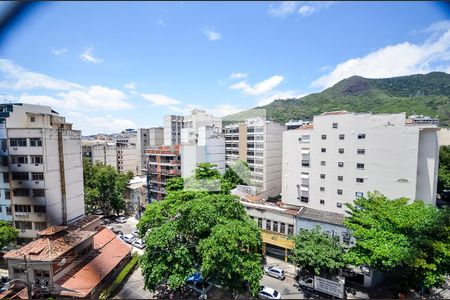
[[306, 126], [83, 280], [52, 230], [47, 249]]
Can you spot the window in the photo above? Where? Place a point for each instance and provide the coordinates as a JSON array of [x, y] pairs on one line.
[[324, 136], [341, 151], [322, 201], [305, 163], [24, 225], [361, 151], [37, 159], [21, 192], [40, 273], [19, 270], [323, 150], [342, 136], [304, 199], [339, 204], [346, 238], [5, 161], [32, 119], [36, 142], [5, 177], [361, 136], [323, 163], [39, 209], [340, 178], [282, 228], [18, 142], [359, 194], [322, 189], [3, 145], [340, 164], [268, 227], [22, 208], [360, 180], [20, 175], [335, 125], [290, 229], [305, 138], [359, 166], [322, 176], [37, 176], [275, 226], [259, 222], [19, 159]]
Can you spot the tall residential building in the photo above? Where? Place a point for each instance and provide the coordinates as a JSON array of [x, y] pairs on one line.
[[343, 156], [172, 129], [197, 119], [258, 142], [42, 169], [163, 162], [146, 138], [207, 145]]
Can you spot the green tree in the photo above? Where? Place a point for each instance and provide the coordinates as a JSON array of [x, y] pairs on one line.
[[444, 169], [174, 184], [239, 173], [8, 234], [317, 252], [408, 241], [203, 231], [104, 187]]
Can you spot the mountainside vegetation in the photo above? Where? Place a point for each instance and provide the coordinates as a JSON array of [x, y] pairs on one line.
[[427, 94]]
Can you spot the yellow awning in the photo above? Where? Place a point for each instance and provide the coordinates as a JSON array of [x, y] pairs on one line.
[[277, 240]]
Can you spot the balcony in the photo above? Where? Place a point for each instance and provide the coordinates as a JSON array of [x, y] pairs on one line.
[[25, 150], [29, 167], [27, 184]]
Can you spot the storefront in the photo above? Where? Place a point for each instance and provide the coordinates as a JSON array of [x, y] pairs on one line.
[[276, 245]]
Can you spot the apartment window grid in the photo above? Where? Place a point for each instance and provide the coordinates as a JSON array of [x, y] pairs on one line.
[[322, 189], [16, 159], [35, 142], [290, 229], [360, 166], [322, 176], [360, 180], [361, 151], [323, 163], [17, 142], [324, 136], [304, 199], [341, 150], [339, 192], [323, 150], [37, 175], [7, 194], [339, 204], [20, 175], [5, 177], [341, 136], [38, 192], [259, 222], [40, 209], [282, 228], [361, 136], [24, 225], [21, 193], [37, 159], [335, 125], [22, 208], [340, 178], [340, 164], [40, 225], [5, 161], [275, 226], [322, 201], [268, 225]]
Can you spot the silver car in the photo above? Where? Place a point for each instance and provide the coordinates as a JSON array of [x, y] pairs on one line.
[[268, 293], [128, 238], [274, 272]]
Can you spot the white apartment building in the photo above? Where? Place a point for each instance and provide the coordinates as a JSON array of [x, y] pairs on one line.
[[198, 118], [105, 153], [207, 145], [259, 143], [146, 138], [42, 169], [343, 156], [172, 129]]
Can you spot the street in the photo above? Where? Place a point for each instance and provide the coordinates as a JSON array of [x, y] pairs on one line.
[[285, 287], [127, 228]]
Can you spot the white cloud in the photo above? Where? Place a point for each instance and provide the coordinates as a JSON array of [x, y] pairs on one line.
[[98, 124], [284, 9], [303, 8], [130, 86], [238, 75], [161, 23], [396, 60], [161, 100], [324, 68], [18, 78], [87, 56], [259, 88], [211, 34], [279, 96], [59, 52]]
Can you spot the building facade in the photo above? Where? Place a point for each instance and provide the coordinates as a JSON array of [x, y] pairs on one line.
[[172, 129], [163, 162], [343, 156], [146, 138], [42, 169], [259, 143]]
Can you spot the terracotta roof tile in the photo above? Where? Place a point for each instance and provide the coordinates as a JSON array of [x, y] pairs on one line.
[[52, 230], [83, 280]]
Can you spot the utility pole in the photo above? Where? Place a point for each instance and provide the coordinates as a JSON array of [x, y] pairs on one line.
[[30, 292]]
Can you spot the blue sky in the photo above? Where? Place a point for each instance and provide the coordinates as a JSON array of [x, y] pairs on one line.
[[107, 66]]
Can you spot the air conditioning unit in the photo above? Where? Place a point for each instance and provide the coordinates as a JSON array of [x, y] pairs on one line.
[[19, 165], [36, 182], [23, 230], [36, 164]]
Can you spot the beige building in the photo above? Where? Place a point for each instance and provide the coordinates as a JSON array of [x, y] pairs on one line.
[[42, 169], [257, 142]]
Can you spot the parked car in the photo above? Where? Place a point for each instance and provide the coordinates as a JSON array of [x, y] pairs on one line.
[[128, 238], [120, 219], [268, 293], [135, 233], [138, 243], [274, 272]]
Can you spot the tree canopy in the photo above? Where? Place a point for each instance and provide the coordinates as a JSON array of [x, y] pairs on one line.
[[444, 169], [199, 231], [408, 241], [238, 173], [8, 234], [317, 252], [104, 187]]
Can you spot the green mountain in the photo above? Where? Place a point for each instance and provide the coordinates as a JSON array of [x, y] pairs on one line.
[[427, 94]]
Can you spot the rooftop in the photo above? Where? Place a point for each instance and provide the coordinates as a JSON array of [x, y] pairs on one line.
[[321, 216]]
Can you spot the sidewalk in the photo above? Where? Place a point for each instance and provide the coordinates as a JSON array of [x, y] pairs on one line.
[[289, 269]]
